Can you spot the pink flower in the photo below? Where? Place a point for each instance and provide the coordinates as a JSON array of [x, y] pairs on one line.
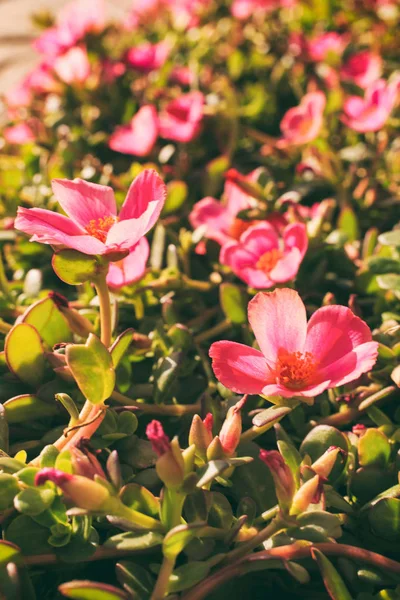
[[243, 9], [181, 118], [182, 75], [41, 79], [147, 57], [137, 138], [296, 358], [74, 21], [371, 112], [111, 70], [262, 259], [92, 225], [73, 66], [322, 45], [131, 268], [19, 134], [19, 96], [363, 68], [301, 124]]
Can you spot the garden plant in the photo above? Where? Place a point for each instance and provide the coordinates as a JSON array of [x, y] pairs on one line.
[[200, 304]]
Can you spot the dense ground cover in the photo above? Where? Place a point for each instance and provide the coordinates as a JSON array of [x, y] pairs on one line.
[[200, 304]]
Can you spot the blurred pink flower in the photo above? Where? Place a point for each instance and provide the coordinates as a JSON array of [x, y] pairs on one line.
[[137, 138], [262, 258], [301, 124], [182, 75], [147, 57], [322, 45], [363, 68], [92, 225], [73, 66], [181, 118], [371, 112], [19, 96], [74, 21], [111, 70], [131, 268], [19, 134], [296, 358], [243, 9]]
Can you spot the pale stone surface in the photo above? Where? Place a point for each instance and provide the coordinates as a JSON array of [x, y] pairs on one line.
[[17, 33]]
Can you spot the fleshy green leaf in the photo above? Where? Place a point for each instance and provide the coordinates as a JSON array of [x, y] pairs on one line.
[[373, 448], [233, 303], [334, 584], [28, 408], [24, 353], [48, 321], [89, 590], [75, 268]]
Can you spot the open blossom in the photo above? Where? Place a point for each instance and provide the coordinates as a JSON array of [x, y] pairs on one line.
[[74, 21], [295, 359], [262, 259], [137, 138], [321, 46], [181, 118], [131, 268], [73, 66], [92, 225], [371, 112], [19, 134], [147, 57], [302, 124], [362, 68]]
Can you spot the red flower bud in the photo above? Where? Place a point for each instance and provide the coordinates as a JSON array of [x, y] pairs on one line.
[[200, 433], [285, 485], [83, 492], [309, 493], [170, 465], [159, 441], [231, 429]]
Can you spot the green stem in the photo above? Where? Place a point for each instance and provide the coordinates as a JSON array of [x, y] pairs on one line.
[[105, 310], [213, 331], [4, 285], [173, 410], [137, 518], [161, 587], [256, 541]]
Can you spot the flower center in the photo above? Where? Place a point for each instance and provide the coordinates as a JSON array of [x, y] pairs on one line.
[[238, 227], [268, 260], [99, 228], [295, 369]]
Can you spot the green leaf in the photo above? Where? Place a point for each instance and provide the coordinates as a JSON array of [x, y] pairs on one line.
[[8, 553], [178, 537], [380, 265], [92, 368], [165, 374], [255, 481], [136, 578], [89, 590], [348, 224], [320, 439], [215, 170], [384, 519], [33, 501], [389, 282], [120, 346], [270, 415], [373, 448], [332, 580], [48, 322], [233, 303], [9, 488], [4, 434], [28, 535], [28, 408], [390, 238], [177, 192], [220, 514], [188, 575], [130, 540], [141, 499], [75, 268], [215, 468], [24, 354]]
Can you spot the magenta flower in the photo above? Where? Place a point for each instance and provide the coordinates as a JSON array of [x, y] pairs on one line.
[[73, 66], [137, 138], [262, 259], [148, 57], [19, 134], [302, 124], [181, 118], [296, 358], [371, 112], [92, 225], [321, 46], [131, 268], [362, 68]]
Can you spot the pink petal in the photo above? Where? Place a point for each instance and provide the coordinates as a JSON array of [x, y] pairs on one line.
[[351, 365], [214, 215], [259, 239], [137, 138], [49, 227], [276, 389], [279, 321], [84, 201], [131, 268], [287, 267], [237, 199], [145, 198], [295, 236], [238, 367], [73, 66], [333, 332]]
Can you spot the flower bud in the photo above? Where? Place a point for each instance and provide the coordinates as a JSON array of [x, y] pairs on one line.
[[215, 450], [283, 478], [200, 433], [309, 493], [85, 463], [359, 429], [170, 465], [325, 463], [231, 429], [83, 492]]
